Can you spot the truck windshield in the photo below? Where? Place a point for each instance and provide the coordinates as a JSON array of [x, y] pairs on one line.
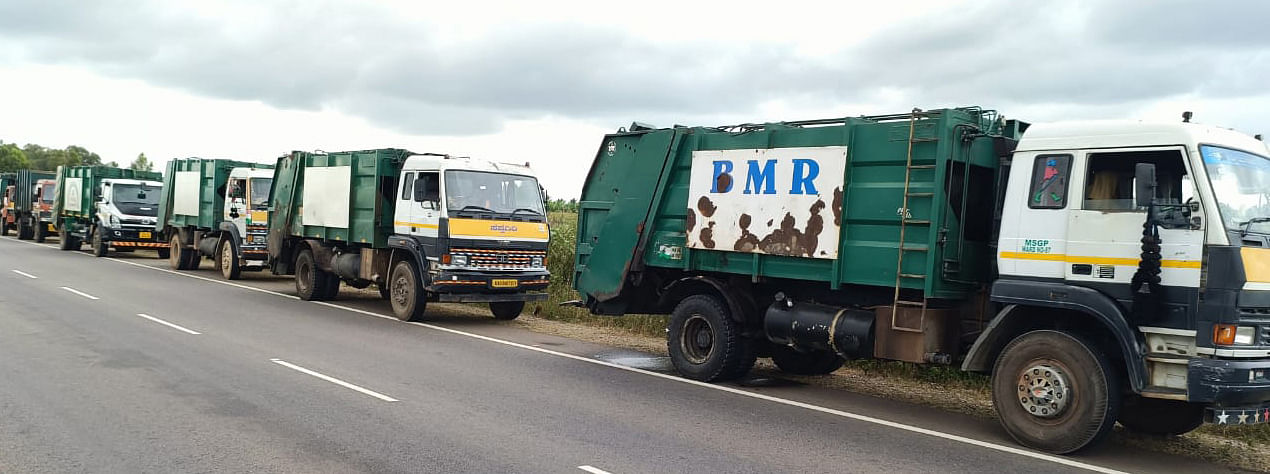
[[476, 192], [136, 194], [1241, 183], [46, 194], [260, 193]]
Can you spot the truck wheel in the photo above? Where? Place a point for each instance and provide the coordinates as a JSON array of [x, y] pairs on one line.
[[41, 232], [164, 254], [705, 343], [227, 260], [405, 292], [1054, 392], [385, 291], [100, 247], [506, 310], [64, 239], [177, 259], [1160, 417], [310, 283], [791, 361], [25, 232]]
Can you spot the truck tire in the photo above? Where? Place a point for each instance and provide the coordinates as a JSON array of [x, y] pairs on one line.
[[310, 282], [1055, 392], [25, 232], [4, 228], [705, 343], [791, 361], [179, 258], [227, 260], [100, 247], [332, 289], [164, 254], [1158, 417], [385, 291], [64, 239], [41, 232], [506, 310], [406, 292]]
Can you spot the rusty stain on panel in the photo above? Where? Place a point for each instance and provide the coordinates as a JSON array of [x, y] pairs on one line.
[[706, 207], [707, 236]]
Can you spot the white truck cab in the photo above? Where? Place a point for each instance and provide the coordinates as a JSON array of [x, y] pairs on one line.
[[126, 212], [1170, 221], [247, 207], [482, 224]]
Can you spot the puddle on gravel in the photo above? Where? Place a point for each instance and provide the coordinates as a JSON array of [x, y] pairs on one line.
[[638, 360]]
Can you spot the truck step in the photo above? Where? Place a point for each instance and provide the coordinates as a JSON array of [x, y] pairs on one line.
[[917, 221], [1167, 393], [912, 275], [923, 140], [909, 303], [921, 167], [910, 248], [920, 195]]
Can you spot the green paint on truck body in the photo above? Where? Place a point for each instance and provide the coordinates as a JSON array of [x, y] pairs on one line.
[[373, 176], [633, 215], [213, 176]]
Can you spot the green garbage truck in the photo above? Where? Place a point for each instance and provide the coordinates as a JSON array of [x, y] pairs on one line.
[[1099, 271], [109, 208], [32, 197], [215, 208], [422, 227]]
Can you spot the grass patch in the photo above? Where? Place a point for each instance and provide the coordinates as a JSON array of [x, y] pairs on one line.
[[560, 263]]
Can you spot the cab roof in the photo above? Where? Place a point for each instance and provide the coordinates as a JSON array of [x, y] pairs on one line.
[[1126, 133], [445, 162]]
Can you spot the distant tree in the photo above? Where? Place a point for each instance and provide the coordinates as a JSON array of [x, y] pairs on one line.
[[113, 164], [142, 163], [81, 156], [12, 158]]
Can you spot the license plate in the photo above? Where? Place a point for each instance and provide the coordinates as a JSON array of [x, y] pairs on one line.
[[504, 283], [143, 235]]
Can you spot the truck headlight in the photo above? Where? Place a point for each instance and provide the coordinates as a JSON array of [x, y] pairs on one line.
[[114, 220], [1231, 335], [458, 260], [536, 262]]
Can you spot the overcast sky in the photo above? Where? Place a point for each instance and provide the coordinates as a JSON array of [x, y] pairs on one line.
[[543, 81]]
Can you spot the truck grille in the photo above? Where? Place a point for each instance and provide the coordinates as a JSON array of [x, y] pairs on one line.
[[500, 259]]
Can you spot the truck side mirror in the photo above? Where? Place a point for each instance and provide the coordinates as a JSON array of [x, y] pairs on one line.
[[1144, 184]]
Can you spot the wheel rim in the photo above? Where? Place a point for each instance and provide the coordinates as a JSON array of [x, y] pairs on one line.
[[174, 253], [1044, 391], [400, 290], [697, 339], [226, 258], [304, 272]]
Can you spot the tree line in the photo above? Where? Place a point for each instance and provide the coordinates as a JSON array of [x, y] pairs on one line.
[[36, 157]]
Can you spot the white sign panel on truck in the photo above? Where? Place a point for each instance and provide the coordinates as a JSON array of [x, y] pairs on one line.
[[326, 196], [780, 201]]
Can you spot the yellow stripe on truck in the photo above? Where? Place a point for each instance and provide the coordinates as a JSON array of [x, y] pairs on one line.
[[1256, 264], [415, 225], [1058, 257], [506, 229]]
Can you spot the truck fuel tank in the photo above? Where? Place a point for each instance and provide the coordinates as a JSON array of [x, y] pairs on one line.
[[816, 327]]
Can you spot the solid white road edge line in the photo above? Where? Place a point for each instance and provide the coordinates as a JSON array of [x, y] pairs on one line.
[[165, 323], [80, 293], [808, 406], [593, 470], [334, 380], [25, 274]]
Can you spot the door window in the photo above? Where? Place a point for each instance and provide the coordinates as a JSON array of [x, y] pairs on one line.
[[1049, 182], [1109, 183], [407, 186]]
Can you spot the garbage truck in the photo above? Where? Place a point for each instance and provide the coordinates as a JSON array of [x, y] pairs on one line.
[[423, 227], [109, 208], [1099, 271], [215, 208], [32, 199]]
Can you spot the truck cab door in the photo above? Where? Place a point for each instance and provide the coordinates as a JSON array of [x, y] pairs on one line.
[[418, 207], [1105, 230]]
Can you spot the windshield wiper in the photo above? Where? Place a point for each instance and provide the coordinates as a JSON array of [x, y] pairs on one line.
[[526, 209], [1245, 225], [475, 208]]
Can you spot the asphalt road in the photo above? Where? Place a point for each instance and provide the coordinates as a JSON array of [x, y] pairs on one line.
[[121, 365]]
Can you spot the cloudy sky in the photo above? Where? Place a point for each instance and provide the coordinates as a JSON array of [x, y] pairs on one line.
[[543, 81]]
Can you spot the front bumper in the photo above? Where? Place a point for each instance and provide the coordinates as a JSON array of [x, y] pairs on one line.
[[1237, 391], [478, 286], [130, 237]]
